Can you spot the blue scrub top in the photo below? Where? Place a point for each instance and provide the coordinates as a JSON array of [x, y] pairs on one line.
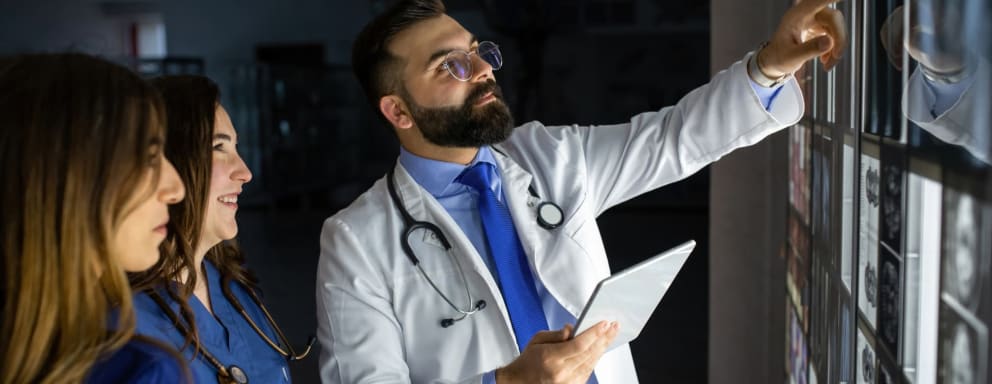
[[137, 362], [225, 333]]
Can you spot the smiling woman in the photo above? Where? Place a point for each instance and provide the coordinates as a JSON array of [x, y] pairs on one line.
[[220, 325], [84, 199]]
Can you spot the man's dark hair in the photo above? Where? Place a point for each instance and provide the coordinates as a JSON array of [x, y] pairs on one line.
[[378, 71]]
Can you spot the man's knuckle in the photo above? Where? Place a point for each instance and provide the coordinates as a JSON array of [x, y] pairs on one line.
[[547, 359]]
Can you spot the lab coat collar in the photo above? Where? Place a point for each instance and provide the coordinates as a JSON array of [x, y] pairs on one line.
[[438, 177]]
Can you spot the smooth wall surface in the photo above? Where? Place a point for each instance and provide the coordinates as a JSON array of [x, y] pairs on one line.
[[746, 274]]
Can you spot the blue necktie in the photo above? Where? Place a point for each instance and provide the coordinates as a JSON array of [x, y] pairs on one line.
[[515, 279]]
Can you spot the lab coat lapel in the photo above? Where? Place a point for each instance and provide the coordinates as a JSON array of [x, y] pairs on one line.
[[563, 277], [422, 206], [515, 184]]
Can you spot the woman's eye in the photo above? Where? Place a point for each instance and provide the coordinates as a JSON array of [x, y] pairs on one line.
[[218, 146], [154, 155]]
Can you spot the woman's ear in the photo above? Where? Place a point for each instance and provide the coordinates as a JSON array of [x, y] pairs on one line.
[[395, 110]]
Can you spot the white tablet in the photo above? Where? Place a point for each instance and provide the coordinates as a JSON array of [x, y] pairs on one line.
[[630, 296]]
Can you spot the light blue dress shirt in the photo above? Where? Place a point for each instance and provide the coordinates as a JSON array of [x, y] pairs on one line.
[[943, 96]]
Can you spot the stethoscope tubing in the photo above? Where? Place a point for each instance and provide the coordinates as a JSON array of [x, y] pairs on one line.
[[291, 355], [549, 223]]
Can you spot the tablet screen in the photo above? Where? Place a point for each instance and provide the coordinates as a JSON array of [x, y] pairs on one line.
[[629, 297]]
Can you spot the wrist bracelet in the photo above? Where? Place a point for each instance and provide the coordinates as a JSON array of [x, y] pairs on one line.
[[758, 76], [950, 77]]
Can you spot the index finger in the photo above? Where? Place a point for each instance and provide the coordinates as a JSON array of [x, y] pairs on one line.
[[582, 365], [833, 22], [583, 341]]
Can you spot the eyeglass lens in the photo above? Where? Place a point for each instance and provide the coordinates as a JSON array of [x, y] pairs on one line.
[[459, 63]]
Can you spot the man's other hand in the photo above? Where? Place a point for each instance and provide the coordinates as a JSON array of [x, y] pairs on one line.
[[550, 357], [808, 30]]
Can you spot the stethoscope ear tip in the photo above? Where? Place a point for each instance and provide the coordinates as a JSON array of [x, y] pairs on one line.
[[306, 350]]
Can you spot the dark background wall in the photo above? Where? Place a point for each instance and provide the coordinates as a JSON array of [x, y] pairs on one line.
[[314, 146], [747, 312]]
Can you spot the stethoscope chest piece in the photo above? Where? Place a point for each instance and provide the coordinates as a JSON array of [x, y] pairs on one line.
[[549, 215], [237, 375]]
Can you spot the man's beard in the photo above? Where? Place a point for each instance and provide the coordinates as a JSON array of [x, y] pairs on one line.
[[466, 125]]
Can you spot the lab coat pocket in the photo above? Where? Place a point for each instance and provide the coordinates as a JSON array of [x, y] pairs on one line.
[[440, 278], [425, 313], [586, 236]]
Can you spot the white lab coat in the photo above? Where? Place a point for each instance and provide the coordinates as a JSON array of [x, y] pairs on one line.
[[964, 124], [378, 319]]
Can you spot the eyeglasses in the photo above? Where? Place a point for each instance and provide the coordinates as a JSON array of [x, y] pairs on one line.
[[459, 63]]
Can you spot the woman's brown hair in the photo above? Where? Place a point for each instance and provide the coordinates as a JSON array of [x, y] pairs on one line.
[[78, 136], [190, 104]]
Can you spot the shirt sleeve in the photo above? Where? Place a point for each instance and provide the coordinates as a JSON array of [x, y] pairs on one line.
[[489, 377], [621, 161], [766, 95], [946, 95]]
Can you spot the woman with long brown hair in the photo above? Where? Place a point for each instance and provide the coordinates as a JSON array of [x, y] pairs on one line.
[[201, 298], [84, 191]]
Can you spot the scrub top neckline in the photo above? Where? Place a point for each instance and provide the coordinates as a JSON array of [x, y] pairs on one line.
[[219, 309]]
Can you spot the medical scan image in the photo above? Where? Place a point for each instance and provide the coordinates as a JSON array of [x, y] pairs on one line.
[[963, 347], [868, 239], [866, 361], [966, 251]]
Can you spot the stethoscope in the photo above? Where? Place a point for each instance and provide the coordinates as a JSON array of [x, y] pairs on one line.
[[232, 373], [549, 217]]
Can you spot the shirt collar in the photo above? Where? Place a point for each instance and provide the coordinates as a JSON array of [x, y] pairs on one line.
[[438, 177]]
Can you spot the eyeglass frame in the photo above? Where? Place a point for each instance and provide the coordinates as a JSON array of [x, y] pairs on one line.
[[468, 54]]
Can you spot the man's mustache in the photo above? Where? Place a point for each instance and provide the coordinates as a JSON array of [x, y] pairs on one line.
[[481, 90]]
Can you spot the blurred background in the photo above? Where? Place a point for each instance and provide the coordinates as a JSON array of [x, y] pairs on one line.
[[314, 145], [795, 279]]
